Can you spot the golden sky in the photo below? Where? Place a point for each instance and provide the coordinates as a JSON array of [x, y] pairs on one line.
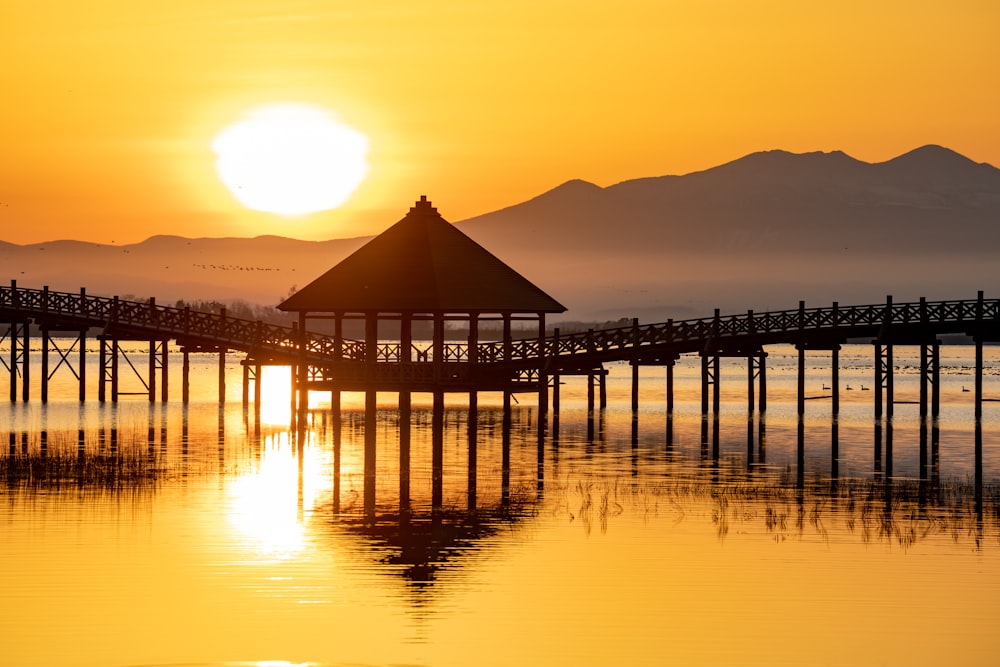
[[109, 107]]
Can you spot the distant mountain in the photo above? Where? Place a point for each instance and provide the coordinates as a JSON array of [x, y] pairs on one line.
[[760, 232], [258, 270], [931, 199]]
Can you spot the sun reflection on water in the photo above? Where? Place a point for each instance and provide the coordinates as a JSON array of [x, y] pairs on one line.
[[276, 395], [267, 506]]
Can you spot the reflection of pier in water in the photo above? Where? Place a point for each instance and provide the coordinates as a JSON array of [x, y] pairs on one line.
[[417, 537]]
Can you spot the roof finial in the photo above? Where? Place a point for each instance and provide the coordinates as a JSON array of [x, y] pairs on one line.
[[423, 204]]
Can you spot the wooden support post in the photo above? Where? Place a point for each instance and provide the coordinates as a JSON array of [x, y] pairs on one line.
[[888, 446], [370, 451], [835, 381], [635, 367], [704, 384], [26, 364], [555, 379], [635, 388], [152, 371], [293, 391], [505, 451], [590, 395], [543, 379], [473, 435], [45, 364], [406, 340], [302, 374], [222, 375], [979, 379], [507, 342], [437, 452], [889, 393], [102, 370], [935, 380], [716, 388], [337, 433], [83, 365], [246, 383], [835, 407], [13, 360], [924, 379], [752, 329], [979, 357], [404, 450], [257, 370], [670, 388], [114, 369], [879, 385], [801, 384], [437, 346], [762, 381], [603, 389], [473, 347], [185, 376], [716, 391], [164, 369]]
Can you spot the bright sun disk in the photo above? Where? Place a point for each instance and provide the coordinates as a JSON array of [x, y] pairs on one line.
[[291, 159]]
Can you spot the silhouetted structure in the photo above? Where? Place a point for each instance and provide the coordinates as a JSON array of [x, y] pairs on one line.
[[420, 269]]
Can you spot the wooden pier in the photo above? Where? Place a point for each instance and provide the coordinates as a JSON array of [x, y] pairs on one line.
[[335, 363]]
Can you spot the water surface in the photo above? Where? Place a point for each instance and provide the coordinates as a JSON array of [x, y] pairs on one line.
[[209, 535]]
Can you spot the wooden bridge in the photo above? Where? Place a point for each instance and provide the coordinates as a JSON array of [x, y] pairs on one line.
[[338, 364]]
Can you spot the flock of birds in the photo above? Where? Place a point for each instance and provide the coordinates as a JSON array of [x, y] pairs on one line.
[[864, 388], [234, 267]]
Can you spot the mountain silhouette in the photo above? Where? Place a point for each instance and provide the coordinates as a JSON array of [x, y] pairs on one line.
[[928, 200], [761, 232]]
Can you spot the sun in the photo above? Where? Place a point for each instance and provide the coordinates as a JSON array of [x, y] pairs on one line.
[[291, 159]]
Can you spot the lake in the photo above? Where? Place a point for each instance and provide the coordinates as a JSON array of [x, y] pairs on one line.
[[164, 534]]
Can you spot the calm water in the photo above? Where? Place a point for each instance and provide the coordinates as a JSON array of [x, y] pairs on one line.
[[224, 538]]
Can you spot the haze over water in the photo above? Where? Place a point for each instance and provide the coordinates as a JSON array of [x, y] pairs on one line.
[[609, 548]]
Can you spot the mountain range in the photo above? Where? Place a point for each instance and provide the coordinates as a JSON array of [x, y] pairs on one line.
[[761, 232]]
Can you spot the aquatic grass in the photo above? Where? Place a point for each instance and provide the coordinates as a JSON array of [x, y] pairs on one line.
[[52, 469], [901, 512]]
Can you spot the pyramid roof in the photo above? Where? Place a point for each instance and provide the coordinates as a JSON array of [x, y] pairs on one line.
[[422, 264]]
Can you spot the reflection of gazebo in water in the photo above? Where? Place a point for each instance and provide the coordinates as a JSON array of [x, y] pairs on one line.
[[421, 269], [418, 549]]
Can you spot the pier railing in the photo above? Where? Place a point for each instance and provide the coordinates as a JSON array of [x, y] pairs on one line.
[[789, 326], [147, 319]]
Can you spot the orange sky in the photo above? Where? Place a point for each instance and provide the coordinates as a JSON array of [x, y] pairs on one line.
[[109, 107]]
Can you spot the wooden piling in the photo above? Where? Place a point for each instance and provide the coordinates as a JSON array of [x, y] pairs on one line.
[[45, 365], [437, 452], [185, 376], [151, 384], [82, 374], [26, 363], [114, 370], [473, 440], [404, 449], [222, 375], [371, 441]]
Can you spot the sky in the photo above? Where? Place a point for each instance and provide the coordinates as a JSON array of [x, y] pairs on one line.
[[110, 107]]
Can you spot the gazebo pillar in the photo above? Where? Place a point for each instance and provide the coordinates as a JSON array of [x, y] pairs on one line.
[[302, 370], [405, 359], [438, 345], [473, 409], [338, 354], [543, 379], [371, 359], [507, 343]]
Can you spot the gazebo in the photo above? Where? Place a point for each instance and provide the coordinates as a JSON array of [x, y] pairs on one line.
[[420, 269]]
